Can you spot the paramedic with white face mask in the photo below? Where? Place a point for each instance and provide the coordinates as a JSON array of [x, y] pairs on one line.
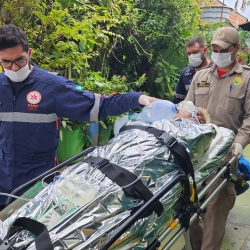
[[224, 90], [197, 56], [32, 100]]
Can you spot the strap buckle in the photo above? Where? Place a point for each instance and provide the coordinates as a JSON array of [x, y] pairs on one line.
[[101, 163], [5, 245], [96, 162], [167, 139]]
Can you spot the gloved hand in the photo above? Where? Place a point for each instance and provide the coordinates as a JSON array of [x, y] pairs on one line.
[[146, 100], [237, 149]]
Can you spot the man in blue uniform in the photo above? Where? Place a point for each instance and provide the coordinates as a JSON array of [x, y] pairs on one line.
[[197, 52], [31, 102]]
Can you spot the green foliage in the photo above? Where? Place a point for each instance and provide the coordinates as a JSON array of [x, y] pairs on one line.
[[244, 38], [73, 125], [123, 37], [60, 42], [245, 44], [166, 79], [207, 29], [160, 26], [95, 83], [97, 42], [16, 12]]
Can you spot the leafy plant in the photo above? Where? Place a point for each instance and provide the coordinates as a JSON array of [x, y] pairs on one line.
[[97, 42], [206, 30], [73, 125], [166, 79], [18, 12], [95, 83], [245, 45], [122, 37]]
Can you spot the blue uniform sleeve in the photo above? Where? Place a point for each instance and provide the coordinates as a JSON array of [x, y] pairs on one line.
[[118, 104], [180, 90], [74, 102]]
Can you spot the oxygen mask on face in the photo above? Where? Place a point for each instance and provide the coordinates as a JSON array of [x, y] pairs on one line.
[[160, 110], [163, 109], [187, 106]]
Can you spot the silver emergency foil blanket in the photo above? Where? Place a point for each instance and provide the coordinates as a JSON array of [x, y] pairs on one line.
[[84, 207]]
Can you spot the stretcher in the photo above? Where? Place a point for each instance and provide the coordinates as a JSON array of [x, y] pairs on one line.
[[135, 205]]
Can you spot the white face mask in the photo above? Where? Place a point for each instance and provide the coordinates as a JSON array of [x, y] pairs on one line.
[[195, 59], [222, 59], [18, 76]]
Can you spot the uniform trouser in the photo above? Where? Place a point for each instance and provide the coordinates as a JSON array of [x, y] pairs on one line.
[[207, 234]]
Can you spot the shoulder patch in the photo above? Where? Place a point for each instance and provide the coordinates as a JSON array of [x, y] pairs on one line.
[[78, 87], [186, 69]]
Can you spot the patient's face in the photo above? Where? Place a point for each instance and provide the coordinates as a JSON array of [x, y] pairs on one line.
[[188, 115], [201, 117], [184, 114]]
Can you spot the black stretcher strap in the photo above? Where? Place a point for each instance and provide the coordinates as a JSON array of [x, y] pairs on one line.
[[179, 151], [122, 177], [42, 241]]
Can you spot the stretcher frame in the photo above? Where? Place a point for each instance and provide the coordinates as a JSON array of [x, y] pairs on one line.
[[187, 212]]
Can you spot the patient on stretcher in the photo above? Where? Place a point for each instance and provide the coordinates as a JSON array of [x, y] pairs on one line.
[[163, 109], [187, 110], [142, 154], [201, 116]]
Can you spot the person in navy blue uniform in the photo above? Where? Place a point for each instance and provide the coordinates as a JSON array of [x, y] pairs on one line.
[[197, 56], [32, 100]]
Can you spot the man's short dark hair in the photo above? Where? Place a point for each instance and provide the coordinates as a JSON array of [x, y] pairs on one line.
[[196, 39], [11, 36]]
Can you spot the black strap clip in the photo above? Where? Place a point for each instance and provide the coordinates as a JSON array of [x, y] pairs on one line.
[[96, 162], [167, 139], [102, 163]]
